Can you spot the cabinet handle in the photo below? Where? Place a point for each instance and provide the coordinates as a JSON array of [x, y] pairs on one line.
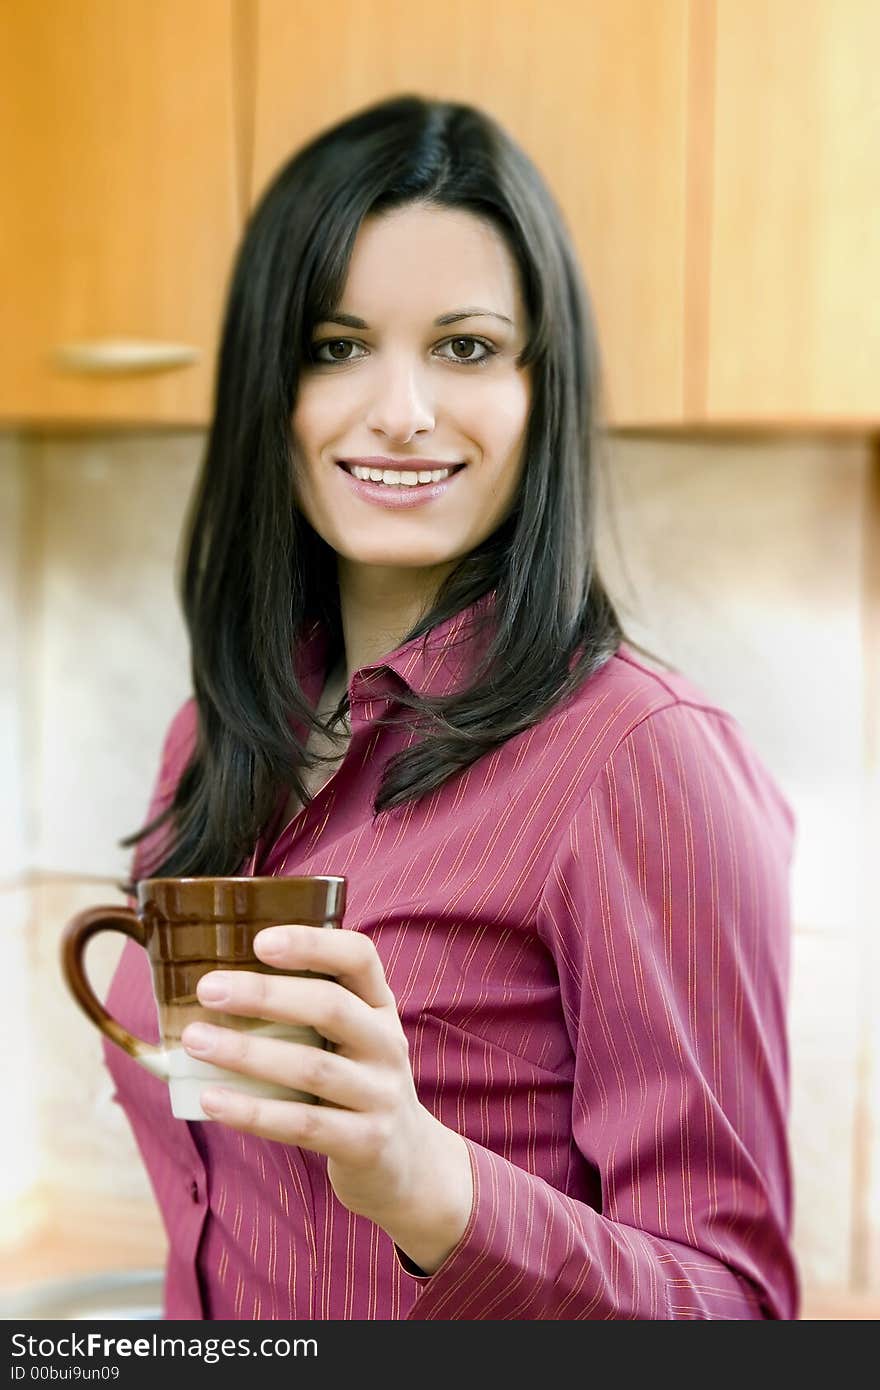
[[104, 356]]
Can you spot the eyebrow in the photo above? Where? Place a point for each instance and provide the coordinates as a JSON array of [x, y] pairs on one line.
[[352, 321]]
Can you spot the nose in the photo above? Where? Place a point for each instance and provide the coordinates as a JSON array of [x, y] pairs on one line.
[[400, 405]]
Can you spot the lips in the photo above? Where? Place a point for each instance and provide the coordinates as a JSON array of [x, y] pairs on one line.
[[399, 496]]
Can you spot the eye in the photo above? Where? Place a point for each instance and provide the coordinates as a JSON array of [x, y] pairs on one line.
[[488, 351], [331, 345]]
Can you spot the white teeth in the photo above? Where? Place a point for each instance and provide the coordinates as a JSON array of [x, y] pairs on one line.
[[391, 476]]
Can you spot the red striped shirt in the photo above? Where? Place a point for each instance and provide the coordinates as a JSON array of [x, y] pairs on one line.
[[587, 935]]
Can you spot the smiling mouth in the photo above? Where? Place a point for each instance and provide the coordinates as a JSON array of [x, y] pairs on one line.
[[400, 477]]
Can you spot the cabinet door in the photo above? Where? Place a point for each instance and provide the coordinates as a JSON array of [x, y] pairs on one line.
[[120, 208], [794, 327], [595, 91]]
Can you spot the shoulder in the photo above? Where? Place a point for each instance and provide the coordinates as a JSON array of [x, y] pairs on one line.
[[612, 703], [177, 745], [637, 722]]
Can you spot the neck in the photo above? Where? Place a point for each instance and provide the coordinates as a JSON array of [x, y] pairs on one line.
[[379, 606]]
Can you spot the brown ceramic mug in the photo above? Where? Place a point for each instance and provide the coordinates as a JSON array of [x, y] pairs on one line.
[[188, 927]]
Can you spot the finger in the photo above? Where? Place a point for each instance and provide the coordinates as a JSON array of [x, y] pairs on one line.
[[347, 955], [340, 1134], [337, 1080], [324, 1005]]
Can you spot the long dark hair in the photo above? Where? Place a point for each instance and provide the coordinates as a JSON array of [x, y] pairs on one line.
[[255, 573]]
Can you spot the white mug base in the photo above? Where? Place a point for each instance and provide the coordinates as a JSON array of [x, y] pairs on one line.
[[188, 1077], [186, 1091]]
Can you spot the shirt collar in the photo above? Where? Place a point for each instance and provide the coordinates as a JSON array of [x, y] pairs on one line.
[[440, 662]]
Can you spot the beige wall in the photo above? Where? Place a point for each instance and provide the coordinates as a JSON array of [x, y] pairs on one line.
[[741, 562]]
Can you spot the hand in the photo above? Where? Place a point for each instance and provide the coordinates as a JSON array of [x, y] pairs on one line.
[[388, 1158]]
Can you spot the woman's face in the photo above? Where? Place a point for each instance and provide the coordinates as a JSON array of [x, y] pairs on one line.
[[401, 386]]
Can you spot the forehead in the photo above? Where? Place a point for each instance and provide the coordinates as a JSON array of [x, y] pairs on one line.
[[429, 261]]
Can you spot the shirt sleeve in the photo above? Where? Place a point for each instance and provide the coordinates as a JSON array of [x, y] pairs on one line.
[[667, 914]]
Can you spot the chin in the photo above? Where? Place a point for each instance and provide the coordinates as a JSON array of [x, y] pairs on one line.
[[398, 559]]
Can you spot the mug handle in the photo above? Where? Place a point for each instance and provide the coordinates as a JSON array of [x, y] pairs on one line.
[[76, 936]]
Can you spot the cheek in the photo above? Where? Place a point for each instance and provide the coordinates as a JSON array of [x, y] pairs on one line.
[[310, 418], [505, 428], [503, 431], [503, 415], [311, 427]]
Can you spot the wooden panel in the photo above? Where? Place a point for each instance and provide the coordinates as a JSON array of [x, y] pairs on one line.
[[117, 138], [594, 90], [795, 332]]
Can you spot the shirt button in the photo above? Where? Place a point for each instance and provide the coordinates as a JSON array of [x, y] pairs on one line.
[[194, 1190]]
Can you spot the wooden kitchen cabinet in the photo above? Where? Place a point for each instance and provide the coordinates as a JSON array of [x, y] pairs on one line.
[[790, 298], [594, 90], [121, 207]]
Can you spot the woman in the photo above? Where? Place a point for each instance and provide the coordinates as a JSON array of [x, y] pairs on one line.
[[559, 1078]]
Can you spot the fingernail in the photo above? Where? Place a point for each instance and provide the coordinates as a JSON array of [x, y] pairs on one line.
[[271, 941], [212, 1101], [196, 1038], [213, 988]]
